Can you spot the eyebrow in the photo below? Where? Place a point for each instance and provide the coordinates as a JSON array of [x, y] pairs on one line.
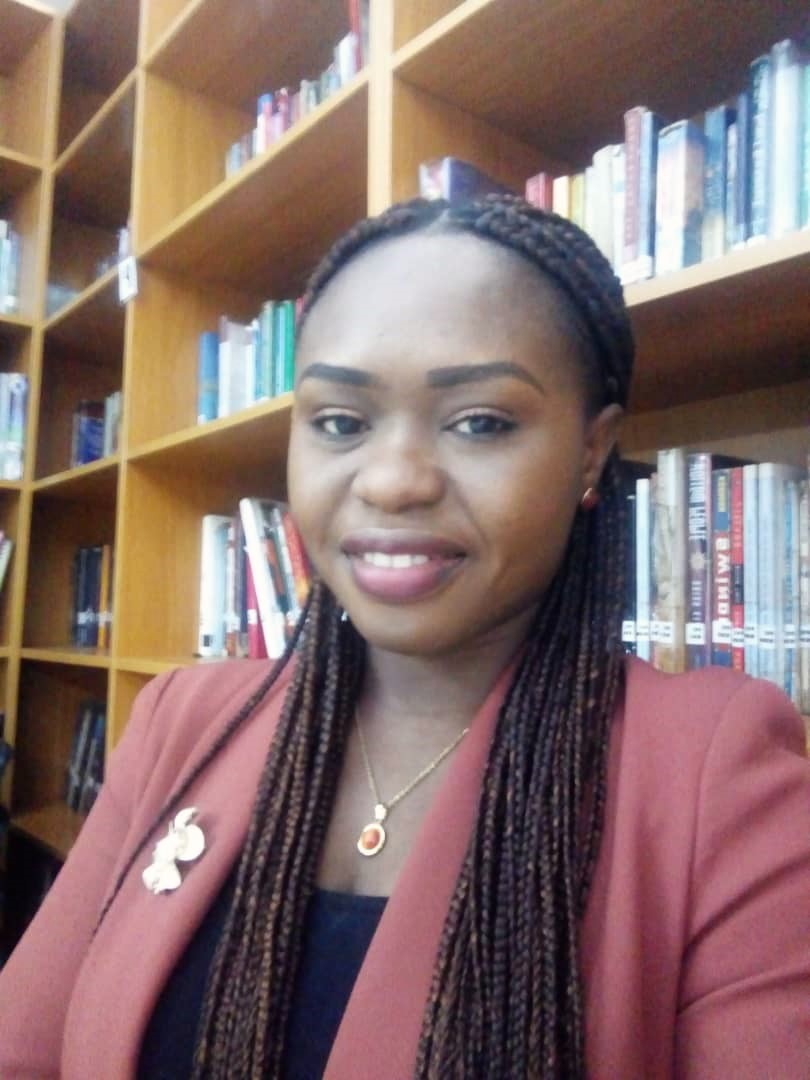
[[437, 378]]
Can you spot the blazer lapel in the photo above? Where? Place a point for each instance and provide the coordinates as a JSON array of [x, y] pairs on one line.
[[379, 1033]]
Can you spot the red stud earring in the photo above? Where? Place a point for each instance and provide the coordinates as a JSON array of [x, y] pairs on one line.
[[590, 499]]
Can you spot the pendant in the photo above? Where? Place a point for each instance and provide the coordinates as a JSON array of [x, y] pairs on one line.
[[372, 838]]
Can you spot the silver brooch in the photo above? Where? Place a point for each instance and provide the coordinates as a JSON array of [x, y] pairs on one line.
[[184, 842]]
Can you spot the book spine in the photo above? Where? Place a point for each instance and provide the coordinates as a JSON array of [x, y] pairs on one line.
[[14, 455], [600, 195], [771, 548], [730, 209], [721, 568], [104, 597], [298, 558], [742, 200], [715, 129], [751, 567], [804, 595], [211, 630], [270, 614], [78, 756], [617, 175], [540, 190], [629, 615], [669, 561], [761, 112], [790, 592], [231, 592], [208, 377], [285, 562], [786, 135], [578, 199], [648, 171], [561, 196], [804, 182], [81, 615], [257, 650], [737, 571], [643, 568], [632, 177], [699, 490]]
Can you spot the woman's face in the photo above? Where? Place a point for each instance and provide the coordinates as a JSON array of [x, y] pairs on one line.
[[439, 443]]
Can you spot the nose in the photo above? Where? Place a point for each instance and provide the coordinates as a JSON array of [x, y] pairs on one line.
[[399, 474]]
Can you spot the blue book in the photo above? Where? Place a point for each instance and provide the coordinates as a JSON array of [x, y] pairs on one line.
[[742, 199], [208, 377], [761, 81], [715, 128]]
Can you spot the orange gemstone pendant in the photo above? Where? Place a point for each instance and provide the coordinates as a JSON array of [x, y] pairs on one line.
[[372, 838]]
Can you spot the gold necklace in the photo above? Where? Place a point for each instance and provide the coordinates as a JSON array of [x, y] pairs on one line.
[[372, 837]]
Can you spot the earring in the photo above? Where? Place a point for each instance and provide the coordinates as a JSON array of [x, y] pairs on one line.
[[590, 499]]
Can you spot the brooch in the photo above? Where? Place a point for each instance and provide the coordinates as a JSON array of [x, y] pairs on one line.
[[184, 842]]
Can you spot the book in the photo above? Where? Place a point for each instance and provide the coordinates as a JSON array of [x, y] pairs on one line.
[[772, 482], [9, 268], [87, 433], [730, 211], [14, 426], [105, 598], [790, 592], [669, 561], [93, 772], [699, 578], [641, 128], [79, 754], [751, 567], [283, 354], [237, 366], [784, 158], [208, 377], [721, 567], [679, 197], [643, 552], [540, 190], [256, 515], [804, 596], [760, 81], [716, 123], [737, 569], [453, 179], [804, 164], [742, 171], [213, 547]]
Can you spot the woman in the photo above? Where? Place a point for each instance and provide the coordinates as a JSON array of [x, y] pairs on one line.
[[590, 867]]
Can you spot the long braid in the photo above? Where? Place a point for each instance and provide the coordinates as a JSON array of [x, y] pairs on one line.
[[506, 997]]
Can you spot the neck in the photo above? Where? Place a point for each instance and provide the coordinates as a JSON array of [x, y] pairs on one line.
[[442, 693]]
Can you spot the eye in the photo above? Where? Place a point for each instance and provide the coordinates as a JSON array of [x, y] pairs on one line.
[[339, 425], [482, 425]]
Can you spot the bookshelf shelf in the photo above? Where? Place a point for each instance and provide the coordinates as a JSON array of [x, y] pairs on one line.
[[319, 164], [14, 327], [17, 171], [82, 296], [54, 827], [95, 482], [68, 655]]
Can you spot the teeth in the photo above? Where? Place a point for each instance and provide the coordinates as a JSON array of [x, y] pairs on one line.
[[393, 562]]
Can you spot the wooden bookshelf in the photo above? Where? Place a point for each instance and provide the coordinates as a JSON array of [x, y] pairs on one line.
[[124, 109]]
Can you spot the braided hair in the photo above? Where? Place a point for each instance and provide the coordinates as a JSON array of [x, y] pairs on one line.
[[506, 997]]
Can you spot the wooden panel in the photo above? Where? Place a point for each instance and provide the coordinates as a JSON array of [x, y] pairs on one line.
[[265, 228], [57, 530], [251, 47], [24, 211], [9, 526], [78, 253], [414, 16], [30, 99], [94, 328], [157, 16], [53, 826], [22, 26], [561, 73], [17, 171], [425, 128], [124, 688], [94, 177], [169, 315], [15, 347], [742, 321]]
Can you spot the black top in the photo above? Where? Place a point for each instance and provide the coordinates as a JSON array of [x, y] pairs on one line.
[[337, 933]]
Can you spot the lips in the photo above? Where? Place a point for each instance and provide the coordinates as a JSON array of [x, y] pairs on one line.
[[399, 566]]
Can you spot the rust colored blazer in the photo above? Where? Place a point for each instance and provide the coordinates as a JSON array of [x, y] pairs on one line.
[[695, 945]]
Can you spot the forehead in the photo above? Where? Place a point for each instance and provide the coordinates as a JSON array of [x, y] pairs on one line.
[[441, 291]]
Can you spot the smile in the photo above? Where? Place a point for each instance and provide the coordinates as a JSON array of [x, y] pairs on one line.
[[398, 568], [393, 562]]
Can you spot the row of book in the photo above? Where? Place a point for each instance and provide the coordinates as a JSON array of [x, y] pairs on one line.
[[278, 111], [13, 423], [85, 768], [91, 610], [254, 580], [9, 268], [719, 568], [242, 363], [673, 195], [95, 429]]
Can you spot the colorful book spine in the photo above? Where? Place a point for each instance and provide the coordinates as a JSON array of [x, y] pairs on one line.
[[679, 202], [669, 561], [751, 567], [761, 84], [540, 190], [737, 570], [786, 136], [257, 650], [208, 377], [715, 131], [698, 621], [453, 179], [721, 568]]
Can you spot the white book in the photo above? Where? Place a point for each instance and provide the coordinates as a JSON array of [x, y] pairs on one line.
[[211, 632], [751, 567], [237, 366], [772, 481], [599, 193], [617, 174], [561, 196], [785, 138], [257, 526], [643, 568], [790, 592], [804, 596], [668, 569]]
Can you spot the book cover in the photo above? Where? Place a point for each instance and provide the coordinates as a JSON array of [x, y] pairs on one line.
[[699, 516], [638, 259], [208, 377], [211, 628], [790, 592], [760, 81], [804, 596], [721, 568], [453, 179], [679, 197], [751, 567], [599, 201], [742, 198], [540, 190], [716, 122], [737, 570], [643, 551], [786, 136], [258, 528], [669, 561]]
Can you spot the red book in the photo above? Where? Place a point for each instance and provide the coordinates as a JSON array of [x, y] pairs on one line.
[[721, 568], [737, 571], [298, 557], [257, 649], [540, 190]]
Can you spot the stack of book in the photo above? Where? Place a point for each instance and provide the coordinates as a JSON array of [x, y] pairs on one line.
[[672, 195], [91, 615], [95, 428], [13, 424], [254, 580], [278, 111], [85, 771], [9, 268], [720, 568], [247, 362]]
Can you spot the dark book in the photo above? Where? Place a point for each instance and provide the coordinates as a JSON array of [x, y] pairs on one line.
[[79, 754], [93, 773], [87, 441]]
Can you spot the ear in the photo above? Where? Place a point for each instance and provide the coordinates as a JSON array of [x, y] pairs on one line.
[[601, 435]]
